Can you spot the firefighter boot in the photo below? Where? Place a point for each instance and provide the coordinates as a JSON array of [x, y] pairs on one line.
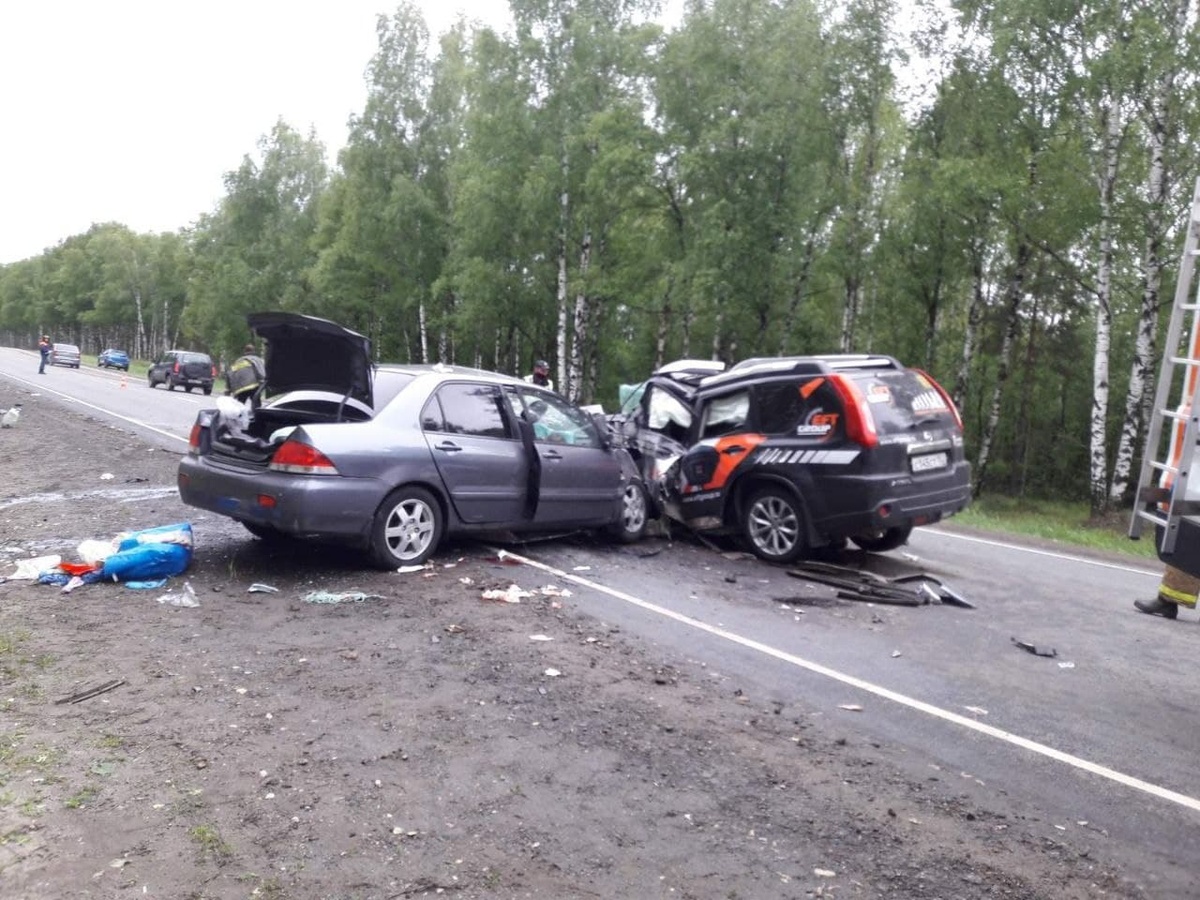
[[1158, 607]]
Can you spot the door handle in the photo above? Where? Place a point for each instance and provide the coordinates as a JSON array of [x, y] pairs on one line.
[[448, 446], [551, 454]]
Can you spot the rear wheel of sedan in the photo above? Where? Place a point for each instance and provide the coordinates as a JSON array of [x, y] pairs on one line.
[[773, 525], [407, 528], [635, 513], [150, 381], [880, 540]]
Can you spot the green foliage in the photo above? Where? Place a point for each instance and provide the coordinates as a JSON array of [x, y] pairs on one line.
[[747, 183]]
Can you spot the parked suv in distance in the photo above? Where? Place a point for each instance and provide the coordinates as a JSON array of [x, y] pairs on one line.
[[113, 359], [64, 355], [796, 453], [183, 368]]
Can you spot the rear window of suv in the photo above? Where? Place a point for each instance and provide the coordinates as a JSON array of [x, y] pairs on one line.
[[195, 358], [901, 401]]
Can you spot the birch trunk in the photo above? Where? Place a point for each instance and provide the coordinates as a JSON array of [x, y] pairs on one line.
[[971, 331], [849, 314], [664, 326], [582, 316], [1141, 370], [423, 332], [564, 210], [1012, 327], [1098, 443]]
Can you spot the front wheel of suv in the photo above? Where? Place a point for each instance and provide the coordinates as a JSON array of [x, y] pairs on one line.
[[773, 525], [880, 540]]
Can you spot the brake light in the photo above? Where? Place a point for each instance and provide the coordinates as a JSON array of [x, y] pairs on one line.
[[860, 421], [214, 372], [175, 368], [946, 397], [301, 459], [194, 439]]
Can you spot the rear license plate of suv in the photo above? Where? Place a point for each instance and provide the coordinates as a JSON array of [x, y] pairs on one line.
[[930, 461]]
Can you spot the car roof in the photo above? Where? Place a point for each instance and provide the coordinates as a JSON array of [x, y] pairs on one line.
[[446, 372], [687, 378]]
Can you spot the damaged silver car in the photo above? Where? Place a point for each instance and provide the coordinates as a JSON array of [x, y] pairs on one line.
[[396, 458]]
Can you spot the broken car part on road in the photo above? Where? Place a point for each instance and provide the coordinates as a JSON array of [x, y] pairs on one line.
[[919, 589]]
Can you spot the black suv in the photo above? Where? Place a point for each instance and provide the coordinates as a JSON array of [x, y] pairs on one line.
[[183, 368], [799, 452]]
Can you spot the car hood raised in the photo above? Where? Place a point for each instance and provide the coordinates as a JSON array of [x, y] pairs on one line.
[[307, 353]]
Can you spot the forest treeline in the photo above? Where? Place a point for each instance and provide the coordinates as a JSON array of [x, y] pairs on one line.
[[757, 179]]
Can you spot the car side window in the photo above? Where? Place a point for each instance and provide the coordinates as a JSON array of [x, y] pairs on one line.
[[778, 406], [555, 421], [726, 414], [431, 416], [473, 409]]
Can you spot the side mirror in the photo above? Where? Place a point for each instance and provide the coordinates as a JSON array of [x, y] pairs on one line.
[[602, 430]]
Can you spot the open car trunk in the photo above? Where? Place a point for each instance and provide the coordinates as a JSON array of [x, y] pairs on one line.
[[252, 436]]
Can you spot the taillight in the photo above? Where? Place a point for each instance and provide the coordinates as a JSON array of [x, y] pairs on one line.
[[860, 421], [214, 372], [175, 368], [301, 459], [194, 439], [946, 397]]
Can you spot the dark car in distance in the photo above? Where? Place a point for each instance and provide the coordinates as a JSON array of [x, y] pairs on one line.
[[183, 368], [395, 458], [113, 359], [799, 453]]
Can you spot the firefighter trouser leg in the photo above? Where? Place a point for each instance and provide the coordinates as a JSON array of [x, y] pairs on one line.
[[1179, 587]]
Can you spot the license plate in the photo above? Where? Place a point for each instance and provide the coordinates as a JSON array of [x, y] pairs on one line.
[[930, 461]]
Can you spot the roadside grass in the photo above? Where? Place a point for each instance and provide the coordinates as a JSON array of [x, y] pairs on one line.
[[209, 840], [1057, 521]]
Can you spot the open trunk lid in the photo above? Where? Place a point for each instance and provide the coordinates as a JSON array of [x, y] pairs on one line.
[[308, 353]]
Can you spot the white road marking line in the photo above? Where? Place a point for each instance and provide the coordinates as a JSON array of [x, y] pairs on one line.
[[1051, 554], [919, 705], [43, 389]]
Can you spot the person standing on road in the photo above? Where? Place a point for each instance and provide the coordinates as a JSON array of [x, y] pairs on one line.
[[1176, 589], [44, 348], [541, 375], [245, 374]]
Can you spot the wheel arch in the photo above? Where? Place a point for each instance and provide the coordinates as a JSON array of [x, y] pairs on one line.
[[747, 485]]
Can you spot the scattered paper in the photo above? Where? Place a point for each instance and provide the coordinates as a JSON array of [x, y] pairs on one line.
[[552, 673], [540, 637]]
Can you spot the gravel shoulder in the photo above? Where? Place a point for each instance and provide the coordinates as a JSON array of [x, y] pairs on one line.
[[421, 743]]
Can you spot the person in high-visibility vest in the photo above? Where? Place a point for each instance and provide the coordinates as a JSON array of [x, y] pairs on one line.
[[1176, 589]]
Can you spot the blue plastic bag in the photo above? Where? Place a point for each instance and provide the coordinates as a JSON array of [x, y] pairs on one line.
[[150, 554]]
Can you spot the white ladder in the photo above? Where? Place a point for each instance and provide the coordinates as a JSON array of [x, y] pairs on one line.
[[1161, 497]]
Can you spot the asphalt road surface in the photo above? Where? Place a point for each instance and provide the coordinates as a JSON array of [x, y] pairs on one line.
[[1102, 734]]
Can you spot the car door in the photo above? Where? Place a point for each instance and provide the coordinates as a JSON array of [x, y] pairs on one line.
[[580, 478], [478, 453]]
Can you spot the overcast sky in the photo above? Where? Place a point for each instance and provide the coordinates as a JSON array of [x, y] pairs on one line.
[[131, 111]]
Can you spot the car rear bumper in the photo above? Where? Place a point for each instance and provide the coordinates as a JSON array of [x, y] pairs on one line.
[[327, 506], [860, 503]]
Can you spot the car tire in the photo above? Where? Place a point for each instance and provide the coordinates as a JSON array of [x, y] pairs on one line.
[[881, 540], [170, 383], [773, 525], [635, 515], [407, 528], [188, 388], [208, 390]]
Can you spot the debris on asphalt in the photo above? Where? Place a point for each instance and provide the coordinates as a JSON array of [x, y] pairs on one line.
[[852, 707], [1066, 665], [259, 588], [977, 710], [920, 589], [540, 637], [1030, 648], [552, 673], [553, 590], [406, 570], [343, 597], [89, 693], [30, 569], [185, 597], [511, 594]]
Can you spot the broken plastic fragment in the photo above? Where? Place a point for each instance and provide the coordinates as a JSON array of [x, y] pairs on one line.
[[260, 588], [540, 637], [853, 707], [511, 594], [405, 570], [552, 673]]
